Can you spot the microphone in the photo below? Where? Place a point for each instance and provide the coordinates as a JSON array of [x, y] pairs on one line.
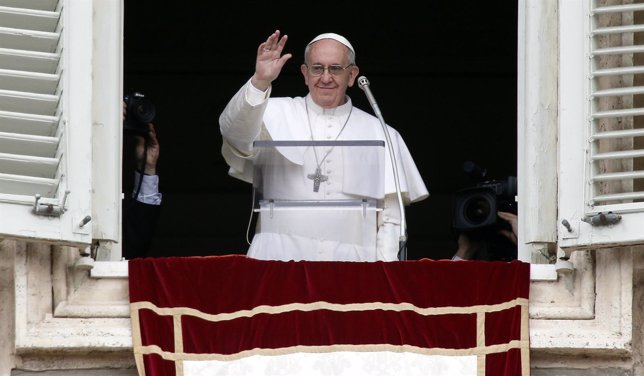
[[363, 83]]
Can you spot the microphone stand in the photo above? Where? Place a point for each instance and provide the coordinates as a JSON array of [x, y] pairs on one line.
[[363, 83]]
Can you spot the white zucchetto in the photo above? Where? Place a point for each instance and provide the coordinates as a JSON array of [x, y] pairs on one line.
[[336, 37]]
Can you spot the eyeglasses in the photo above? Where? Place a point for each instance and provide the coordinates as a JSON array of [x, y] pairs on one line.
[[335, 70]]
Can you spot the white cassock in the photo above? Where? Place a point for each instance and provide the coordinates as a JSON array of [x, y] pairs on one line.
[[318, 235]]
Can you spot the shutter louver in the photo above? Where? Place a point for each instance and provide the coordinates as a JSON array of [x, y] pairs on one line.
[[30, 135], [601, 124], [615, 177], [46, 101]]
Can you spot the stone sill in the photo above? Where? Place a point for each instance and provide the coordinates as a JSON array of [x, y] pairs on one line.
[[119, 269]]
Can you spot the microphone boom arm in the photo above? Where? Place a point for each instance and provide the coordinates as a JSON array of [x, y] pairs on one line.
[[363, 83]]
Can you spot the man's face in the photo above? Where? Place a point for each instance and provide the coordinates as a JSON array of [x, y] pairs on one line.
[[328, 89]]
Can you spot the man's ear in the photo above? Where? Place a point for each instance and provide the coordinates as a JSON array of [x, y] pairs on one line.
[[353, 74], [304, 69]]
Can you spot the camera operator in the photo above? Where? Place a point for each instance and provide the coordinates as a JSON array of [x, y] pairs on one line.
[[500, 245], [141, 210], [485, 217]]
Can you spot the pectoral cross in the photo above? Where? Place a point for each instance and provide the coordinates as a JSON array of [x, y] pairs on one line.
[[317, 178]]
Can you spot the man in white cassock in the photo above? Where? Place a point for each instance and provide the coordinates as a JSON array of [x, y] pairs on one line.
[[318, 173]]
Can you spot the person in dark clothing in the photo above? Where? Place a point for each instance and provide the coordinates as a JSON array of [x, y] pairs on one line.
[[141, 210], [498, 245]]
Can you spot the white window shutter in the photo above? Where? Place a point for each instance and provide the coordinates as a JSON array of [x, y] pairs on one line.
[[601, 137], [107, 130], [46, 120]]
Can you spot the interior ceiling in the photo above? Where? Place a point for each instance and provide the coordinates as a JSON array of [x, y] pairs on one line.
[[443, 74]]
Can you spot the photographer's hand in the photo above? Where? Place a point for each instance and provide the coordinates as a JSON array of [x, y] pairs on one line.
[[512, 219], [147, 155]]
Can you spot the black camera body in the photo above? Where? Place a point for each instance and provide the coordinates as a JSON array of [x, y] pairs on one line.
[[139, 112], [476, 207], [475, 213]]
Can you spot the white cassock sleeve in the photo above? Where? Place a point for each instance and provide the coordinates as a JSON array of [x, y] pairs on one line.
[[241, 121], [388, 237], [240, 124]]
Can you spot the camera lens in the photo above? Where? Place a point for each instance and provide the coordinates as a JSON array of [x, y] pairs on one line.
[[477, 210], [144, 110], [474, 208]]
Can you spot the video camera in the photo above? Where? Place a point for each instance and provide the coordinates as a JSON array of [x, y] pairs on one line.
[[475, 211], [140, 112]]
